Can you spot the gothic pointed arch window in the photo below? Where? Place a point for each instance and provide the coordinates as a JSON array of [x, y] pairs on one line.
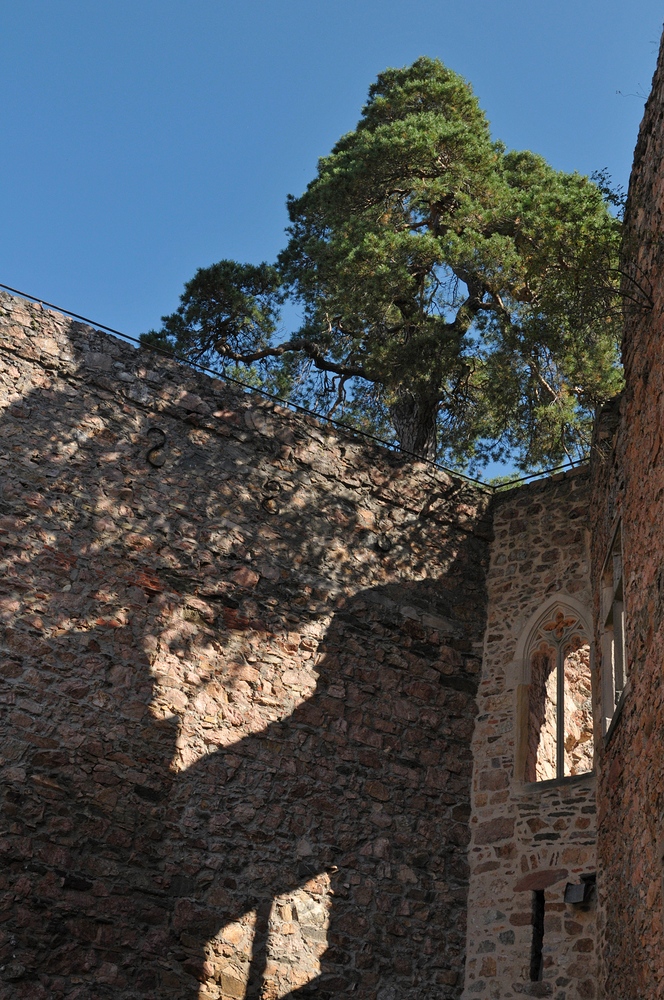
[[559, 727]]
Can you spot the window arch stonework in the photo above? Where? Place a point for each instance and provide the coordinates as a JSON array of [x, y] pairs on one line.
[[555, 700]]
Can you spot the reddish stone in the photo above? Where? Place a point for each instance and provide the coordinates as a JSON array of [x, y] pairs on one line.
[[245, 577], [493, 779], [490, 832], [540, 879]]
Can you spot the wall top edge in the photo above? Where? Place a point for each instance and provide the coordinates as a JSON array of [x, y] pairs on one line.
[[73, 348]]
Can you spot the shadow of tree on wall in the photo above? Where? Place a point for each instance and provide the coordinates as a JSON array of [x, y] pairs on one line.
[[367, 782], [188, 811]]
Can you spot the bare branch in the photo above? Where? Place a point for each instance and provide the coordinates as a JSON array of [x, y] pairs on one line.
[[341, 395], [310, 350]]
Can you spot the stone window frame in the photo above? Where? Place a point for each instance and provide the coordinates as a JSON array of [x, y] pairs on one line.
[[522, 664], [614, 671]]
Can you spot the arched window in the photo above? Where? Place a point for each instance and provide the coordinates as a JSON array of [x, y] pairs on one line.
[[559, 724]]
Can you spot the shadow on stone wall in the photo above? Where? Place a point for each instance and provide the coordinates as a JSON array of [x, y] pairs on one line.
[[187, 811], [364, 786]]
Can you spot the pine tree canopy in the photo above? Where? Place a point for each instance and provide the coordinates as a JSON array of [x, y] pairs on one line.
[[456, 297]]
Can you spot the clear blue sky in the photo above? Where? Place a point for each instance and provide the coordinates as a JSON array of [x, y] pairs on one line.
[[144, 139]]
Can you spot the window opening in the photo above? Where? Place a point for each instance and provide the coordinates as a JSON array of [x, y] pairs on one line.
[[614, 665], [560, 726], [537, 946]]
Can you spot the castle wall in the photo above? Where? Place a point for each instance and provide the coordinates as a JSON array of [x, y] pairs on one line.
[[238, 662], [628, 489], [527, 836], [243, 751]]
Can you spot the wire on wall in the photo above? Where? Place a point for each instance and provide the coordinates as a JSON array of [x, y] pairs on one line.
[[285, 402]]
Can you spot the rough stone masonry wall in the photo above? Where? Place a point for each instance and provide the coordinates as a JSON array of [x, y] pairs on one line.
[[528, 837], [628, 484], [237, 666]]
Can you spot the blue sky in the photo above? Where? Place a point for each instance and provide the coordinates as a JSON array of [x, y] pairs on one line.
[[144, 139]]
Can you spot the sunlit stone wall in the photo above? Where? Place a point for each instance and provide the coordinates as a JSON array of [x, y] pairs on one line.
[[528, 836], [237, 671]]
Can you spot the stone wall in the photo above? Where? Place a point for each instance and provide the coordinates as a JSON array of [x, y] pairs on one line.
[[526, 836], [628, 486], [243, 752], [238, 658]]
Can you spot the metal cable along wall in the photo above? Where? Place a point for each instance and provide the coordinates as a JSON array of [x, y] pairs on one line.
[[293, 406]]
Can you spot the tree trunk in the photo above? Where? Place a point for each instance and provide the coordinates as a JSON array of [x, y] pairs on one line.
[[414, 420]]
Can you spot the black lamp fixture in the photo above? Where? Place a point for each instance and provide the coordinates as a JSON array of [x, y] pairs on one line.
[[581, 892]]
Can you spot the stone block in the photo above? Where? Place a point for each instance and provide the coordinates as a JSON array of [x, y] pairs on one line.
[[494, 830]]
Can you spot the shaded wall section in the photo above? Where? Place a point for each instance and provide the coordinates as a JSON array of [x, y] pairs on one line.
[[237, 672], [628, 487]]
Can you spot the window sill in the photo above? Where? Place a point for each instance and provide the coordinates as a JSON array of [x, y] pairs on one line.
[[570, 779]]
